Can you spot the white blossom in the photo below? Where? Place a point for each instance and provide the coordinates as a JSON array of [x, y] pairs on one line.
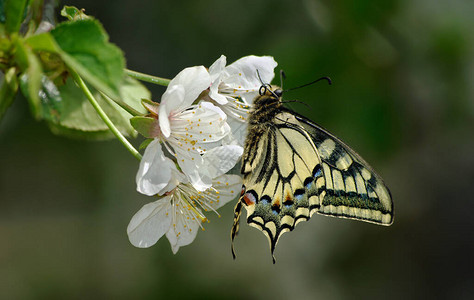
[[187, 131], [201, 122], [179, 214], [235, 86]]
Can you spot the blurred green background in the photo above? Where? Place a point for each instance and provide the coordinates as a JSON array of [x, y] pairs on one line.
[[402, 96]]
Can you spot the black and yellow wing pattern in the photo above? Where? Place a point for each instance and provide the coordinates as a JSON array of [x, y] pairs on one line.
[[294, 168]]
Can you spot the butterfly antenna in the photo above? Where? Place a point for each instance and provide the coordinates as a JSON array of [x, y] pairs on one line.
[[310, 83], [260, 78], [282, 76], [265, 87], [292, 101]]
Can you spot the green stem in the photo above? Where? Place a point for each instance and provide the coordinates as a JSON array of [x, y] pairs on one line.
[[104, 116], [147, 78]]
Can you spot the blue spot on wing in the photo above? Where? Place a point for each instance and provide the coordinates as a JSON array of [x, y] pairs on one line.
[[299, 193], [317, 171], [308, 182], [265, 200]]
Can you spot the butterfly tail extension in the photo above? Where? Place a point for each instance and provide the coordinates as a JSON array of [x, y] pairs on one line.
[[235, 227], [272, 249]]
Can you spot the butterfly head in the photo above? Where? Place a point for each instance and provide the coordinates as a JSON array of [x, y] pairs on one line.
[[269, 96]]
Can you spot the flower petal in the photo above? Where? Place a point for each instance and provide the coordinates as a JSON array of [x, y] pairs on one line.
[[217, 67], [242, 74], [154, 174], [238, 130], [215, 71], [150, 223], [220, 160], [182, 232], [225, 188], [204, 124], [194, 80], [172, 99], [196, 129], [191, 163]]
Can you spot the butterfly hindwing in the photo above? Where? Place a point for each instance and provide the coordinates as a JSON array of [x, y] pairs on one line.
[[282, 178]]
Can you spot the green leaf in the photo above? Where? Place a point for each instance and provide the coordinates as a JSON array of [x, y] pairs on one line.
[[85, 48], [15, 13], [31, 78], [78, 119], [51, 100], [21, 53], [49, 104], [145, 125], [150, 105], [5, 43], [97, 135], [8, 90], [43, 42], [132, 92], [73, 13]]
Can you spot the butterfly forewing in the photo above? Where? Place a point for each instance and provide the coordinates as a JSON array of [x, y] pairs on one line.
[[353, 189]]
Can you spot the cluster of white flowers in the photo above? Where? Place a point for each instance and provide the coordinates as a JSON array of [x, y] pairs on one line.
[[201, 122]]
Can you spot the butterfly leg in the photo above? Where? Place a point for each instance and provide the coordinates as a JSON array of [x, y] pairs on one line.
[[235, 226]]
